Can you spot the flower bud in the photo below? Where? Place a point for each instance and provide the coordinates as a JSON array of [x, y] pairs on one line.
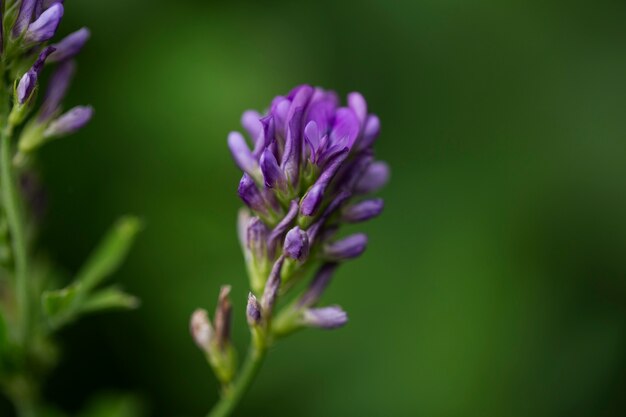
[[242, 155], [28, 82], [23, 17], [319, 283], [223, 318], [270, 294], [362, 211], [70, 45], [251, 196], [57, 87], [276, 235], [45, 26], [69, 122], [201, 329], [314, 197], [253, 311], [346, 248], [373, 179], [325, 317], [297, 244], [273, 176]]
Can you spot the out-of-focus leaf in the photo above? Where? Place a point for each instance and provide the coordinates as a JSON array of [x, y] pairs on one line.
[[114, 405], [59, 305], [63, 306], [109, 299], [109, 254]]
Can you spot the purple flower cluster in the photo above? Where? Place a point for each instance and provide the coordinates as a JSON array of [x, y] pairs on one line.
[[24, 44], [307, 167]]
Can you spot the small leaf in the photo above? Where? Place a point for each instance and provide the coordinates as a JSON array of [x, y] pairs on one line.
[[114, 405], [109, 299], [58, 305], [109, 254]]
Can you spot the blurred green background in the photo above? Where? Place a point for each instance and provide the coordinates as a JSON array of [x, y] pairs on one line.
[[495, 281]]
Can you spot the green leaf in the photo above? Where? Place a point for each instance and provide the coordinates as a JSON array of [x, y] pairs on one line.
[[109, 299], [59, 305], [114, 405], [109, 254]]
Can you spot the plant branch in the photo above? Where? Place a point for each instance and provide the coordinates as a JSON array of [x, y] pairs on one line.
[[13, 207], [230, 399]]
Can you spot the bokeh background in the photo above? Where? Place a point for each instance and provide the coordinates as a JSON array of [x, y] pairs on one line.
[[495, 281]]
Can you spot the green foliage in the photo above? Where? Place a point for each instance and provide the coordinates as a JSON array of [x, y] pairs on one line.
[[82, 296]]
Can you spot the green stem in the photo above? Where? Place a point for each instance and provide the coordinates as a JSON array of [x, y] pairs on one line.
[[12, 206], [230, 399]]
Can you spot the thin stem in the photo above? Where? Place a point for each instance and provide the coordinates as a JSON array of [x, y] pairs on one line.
[[12, 206], [230, 399]]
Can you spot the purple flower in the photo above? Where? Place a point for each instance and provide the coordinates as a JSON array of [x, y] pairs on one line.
[[28, 82], [24, 17], [256, 238], [304, 162], [57, 87], [362, 211], [253, 311], [70, 45], [297, 244], [318, 285], [270, 294], [373, 179], [45, 26], [69, 122], [242, 154], [346, 248], [325, 317]]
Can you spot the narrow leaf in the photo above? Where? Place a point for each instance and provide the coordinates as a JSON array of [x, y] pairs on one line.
[[111, 298], [109, 254]]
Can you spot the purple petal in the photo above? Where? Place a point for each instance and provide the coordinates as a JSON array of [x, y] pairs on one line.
[[251, 196], [282, 227], [318, 285], [345, 128], [23, 17], [28, 82], [270, 294], [373, 179], [314, 197], [26, 86], [241, 154], [45, 26], [290, 163], [280, 108], [362, 211], [70, 45], [321, 112], [325, 318], [370, 132], [296, 244], [312, 138], [57, 87], [346, 248], [358, 105], [69, 122], [253, 311], [256, 237], [316, 227], [251, 121], [272, 174]]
